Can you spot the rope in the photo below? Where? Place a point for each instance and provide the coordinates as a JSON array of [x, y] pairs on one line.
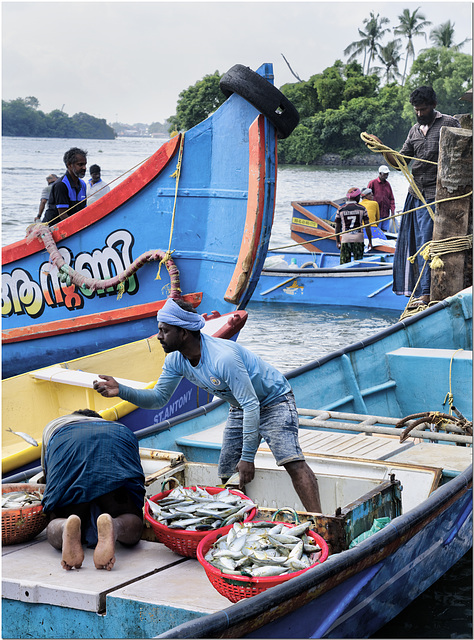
[[176, 174], [400, 164], [449, 396], [68, 275]]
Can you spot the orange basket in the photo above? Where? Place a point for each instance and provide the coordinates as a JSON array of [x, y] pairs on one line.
[[21, 525], [235, 587], [180, 541]]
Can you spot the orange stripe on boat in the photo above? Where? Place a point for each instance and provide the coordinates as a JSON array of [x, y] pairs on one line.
[[253, 221], [97, 210], [91, 321]]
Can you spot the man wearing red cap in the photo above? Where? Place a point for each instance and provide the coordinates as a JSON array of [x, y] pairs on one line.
[[349, 219]]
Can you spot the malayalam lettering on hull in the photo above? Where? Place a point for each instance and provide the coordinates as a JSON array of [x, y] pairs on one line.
[[27, 293]]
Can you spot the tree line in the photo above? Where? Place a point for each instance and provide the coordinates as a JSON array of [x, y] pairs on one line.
[[22, 117], [368, 92]]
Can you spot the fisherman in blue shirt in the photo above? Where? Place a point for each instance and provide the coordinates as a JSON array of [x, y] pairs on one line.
[[260, 397], [68, 195]]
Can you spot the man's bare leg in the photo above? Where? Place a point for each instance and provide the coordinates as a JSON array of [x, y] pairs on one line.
[[65, 535], [305, 484], [126, 528]]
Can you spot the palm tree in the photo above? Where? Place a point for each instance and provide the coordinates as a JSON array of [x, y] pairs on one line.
[[443, 36], [390, 56], [369, 43], [411, 25]]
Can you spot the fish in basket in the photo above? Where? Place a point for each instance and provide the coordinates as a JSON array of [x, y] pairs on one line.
[[183, 516], [22, 512], [249, 558]]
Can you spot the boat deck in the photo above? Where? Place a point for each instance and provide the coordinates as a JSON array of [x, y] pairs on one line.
[[347, 445], [149, 584]]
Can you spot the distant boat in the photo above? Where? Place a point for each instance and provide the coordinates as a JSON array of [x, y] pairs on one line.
[[34, 398], [208, 195], [318, 279], [313, 222]]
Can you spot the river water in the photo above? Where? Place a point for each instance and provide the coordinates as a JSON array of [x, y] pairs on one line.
[[284, 336]]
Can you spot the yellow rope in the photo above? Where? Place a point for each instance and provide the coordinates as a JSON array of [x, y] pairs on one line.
[[449, 396], [401, 165], [176, 174]]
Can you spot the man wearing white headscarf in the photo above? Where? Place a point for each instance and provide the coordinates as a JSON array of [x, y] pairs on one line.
[[261, 399]]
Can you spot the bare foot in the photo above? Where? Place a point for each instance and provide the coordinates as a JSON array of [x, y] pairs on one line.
[[104, 553], [73, 553]]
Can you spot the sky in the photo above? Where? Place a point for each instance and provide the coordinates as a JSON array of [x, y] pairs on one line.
[[129, 61]]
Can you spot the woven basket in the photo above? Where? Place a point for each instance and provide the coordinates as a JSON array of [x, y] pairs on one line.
[[235, 587], [22, 525], [180, 541]]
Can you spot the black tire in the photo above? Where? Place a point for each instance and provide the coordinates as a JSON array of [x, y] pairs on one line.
[[262, 95]]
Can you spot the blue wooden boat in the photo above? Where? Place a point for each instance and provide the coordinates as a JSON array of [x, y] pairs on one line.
[[349, 404], [313, 222], [206, 196], [318, 279]]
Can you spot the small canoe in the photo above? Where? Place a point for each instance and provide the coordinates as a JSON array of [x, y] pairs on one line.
[[312, 224], [318, 279]]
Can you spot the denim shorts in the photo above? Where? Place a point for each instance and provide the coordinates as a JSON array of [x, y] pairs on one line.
[[278, 427]]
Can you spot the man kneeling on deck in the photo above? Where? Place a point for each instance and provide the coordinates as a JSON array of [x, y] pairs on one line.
[[261, 399], [95, 487]]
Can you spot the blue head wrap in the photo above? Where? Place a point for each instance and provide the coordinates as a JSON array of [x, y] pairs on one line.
[[171, 313]]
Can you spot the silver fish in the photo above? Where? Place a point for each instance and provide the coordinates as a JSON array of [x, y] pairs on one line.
[[29, 439], [268, 550], [198, 510]]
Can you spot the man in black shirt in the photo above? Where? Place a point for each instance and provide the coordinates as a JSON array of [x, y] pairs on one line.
[[68, 194]]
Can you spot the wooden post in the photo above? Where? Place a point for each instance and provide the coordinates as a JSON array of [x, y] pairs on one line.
[[453, 218]]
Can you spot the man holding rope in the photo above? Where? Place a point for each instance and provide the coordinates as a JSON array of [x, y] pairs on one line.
[[416, 227]]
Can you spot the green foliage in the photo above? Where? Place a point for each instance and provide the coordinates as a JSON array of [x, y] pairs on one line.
[[301, 147], [21, 117], [197, 102], [304, 96]]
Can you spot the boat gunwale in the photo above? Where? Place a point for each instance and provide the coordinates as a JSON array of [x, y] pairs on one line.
[[109, 203]]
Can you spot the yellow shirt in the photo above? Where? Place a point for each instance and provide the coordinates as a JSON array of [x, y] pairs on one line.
[[373, 211]]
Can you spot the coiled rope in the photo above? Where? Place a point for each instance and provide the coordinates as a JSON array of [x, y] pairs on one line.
[[68, 275]]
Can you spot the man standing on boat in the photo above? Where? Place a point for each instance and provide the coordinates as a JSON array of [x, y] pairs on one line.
[[96, 187], [68, 195], [416, 227], [261, 399], [383, 194], [349, 220]]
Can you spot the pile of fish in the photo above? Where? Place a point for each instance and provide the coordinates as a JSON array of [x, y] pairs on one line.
[[21, 499], [263, 549], [198, 510]]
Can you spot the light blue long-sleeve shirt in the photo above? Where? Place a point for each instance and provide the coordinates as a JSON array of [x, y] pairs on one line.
[[226, 370]]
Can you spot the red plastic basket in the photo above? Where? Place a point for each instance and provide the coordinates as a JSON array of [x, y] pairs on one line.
[[21, 525], [235, 587], [180, 541]]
